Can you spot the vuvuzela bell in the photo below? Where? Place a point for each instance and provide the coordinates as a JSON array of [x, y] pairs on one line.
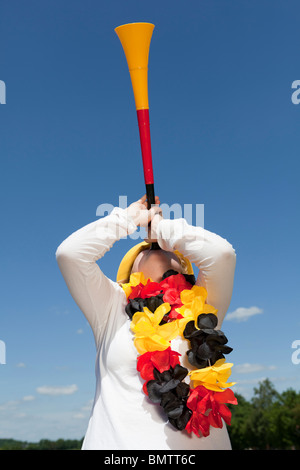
[[135, 39]]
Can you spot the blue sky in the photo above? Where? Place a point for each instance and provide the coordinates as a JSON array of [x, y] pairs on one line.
[[225, 134]]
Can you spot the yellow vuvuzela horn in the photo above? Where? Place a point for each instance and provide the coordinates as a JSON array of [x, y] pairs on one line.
[[135, 39]]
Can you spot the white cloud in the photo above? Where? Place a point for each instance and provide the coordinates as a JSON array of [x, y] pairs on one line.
[[243, 314], [84, 411], [79, 416], [9, 405], [29, 398], [63, 390], [250, 368], [32, 420]]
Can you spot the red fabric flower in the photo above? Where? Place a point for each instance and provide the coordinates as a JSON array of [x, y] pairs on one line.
[[160, 360], [143, 291], [198, 424], [135, 291], [151, 289], [172, 296], [176, 281], [209, 408], [172, 286]]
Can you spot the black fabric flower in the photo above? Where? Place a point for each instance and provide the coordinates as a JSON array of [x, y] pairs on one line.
[[154, 302], [165, 381], [137, 304], [171, 393], [207, 344], [174, 405], [134, 305]]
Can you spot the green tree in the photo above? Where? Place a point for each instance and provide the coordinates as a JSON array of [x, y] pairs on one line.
[[269, 421], [239, 429], [261, 429]]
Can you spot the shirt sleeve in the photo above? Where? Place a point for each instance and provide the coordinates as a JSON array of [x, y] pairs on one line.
[[212, 254], [94, 293]]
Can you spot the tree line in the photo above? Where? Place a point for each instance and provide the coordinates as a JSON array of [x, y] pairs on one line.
[[43, 444], [269, 420]]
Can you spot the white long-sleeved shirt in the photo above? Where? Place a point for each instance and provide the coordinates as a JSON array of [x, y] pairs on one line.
[[122, 417]]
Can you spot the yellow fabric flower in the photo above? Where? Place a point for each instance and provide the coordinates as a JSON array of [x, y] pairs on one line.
[[193, 305], [213, 377], [149, 334], [188, 295], [134, 280]]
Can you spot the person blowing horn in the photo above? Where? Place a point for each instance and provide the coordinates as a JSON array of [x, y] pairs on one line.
[[171, 353]]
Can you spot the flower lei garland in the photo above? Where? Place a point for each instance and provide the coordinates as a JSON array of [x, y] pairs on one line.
[[159, 312]]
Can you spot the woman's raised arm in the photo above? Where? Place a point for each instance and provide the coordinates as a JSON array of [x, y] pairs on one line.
[[212, 254]]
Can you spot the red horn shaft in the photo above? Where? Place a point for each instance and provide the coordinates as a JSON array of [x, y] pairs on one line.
[[145, 139], [144, 128]]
